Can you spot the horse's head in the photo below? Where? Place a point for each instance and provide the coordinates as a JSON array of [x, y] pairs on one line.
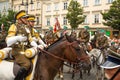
[[72, 50]]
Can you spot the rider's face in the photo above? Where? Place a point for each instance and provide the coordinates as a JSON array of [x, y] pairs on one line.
[[32, 23]]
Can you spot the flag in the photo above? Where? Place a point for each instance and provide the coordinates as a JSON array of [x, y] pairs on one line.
[[57, 25]]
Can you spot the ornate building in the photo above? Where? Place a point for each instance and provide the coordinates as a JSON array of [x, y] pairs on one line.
[[47, 10], [4, 6]]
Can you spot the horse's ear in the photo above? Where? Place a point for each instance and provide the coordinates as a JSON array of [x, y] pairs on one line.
[[68, 38]]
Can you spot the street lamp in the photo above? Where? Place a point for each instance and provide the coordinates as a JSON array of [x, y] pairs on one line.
[[26, 4]]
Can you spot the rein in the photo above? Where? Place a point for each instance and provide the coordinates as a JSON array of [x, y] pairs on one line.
[[62, 59]]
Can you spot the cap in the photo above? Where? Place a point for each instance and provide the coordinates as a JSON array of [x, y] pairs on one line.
[[31, 18], [112, 62], [20, 14]]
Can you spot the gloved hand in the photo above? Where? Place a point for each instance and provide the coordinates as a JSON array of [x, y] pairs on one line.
[[34, 44], [42, 43], [40, 46], [21, 38]]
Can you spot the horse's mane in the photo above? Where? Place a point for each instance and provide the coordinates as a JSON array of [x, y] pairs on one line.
[[56, 42]]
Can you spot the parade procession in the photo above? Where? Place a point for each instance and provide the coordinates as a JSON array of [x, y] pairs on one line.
[[59, 39]]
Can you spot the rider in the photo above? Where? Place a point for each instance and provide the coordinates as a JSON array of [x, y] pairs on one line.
[[84, 37], [35, 35], [19, 40], [102, 42]]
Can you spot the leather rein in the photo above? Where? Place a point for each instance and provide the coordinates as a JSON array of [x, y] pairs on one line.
[[62, 59]]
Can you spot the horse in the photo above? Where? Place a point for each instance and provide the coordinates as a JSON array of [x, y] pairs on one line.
[[97, 59], [82, 66], [48, 62]]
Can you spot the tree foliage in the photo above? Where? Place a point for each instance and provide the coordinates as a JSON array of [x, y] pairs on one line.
[[75, 14], [112, 17], [7, 19]]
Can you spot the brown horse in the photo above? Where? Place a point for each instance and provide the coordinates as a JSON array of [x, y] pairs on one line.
[[49, 61]]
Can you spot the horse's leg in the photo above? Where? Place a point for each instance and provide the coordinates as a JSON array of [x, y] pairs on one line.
[[73, 71], [81, 75]]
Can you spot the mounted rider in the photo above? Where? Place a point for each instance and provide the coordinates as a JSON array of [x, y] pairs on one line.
[[21, 39], [102, 42], [35, 35], [84, 37]]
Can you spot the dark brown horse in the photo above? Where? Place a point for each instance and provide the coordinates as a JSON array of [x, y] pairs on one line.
[[49, 61]]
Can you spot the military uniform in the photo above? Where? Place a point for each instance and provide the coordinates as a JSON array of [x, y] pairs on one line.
[[34, 34], [19, 40]]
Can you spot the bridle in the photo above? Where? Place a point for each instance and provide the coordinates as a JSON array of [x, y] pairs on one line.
[[70, 46]]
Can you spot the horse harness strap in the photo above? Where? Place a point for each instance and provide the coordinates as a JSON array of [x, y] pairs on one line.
[[116, 73], [57, 56]]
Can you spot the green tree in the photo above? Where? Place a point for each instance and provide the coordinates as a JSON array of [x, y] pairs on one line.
[[7, 19], [75, 14], [112, 17]]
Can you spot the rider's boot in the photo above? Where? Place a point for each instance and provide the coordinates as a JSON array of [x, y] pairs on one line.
[[21, 74]]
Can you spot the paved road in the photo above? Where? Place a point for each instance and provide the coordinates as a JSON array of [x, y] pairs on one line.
[[67, 76]]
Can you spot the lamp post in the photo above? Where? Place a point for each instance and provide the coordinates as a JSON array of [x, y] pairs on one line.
[[26, 4]]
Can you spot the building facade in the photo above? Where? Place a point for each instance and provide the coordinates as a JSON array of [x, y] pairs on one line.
[[4, 6], [47, 11]]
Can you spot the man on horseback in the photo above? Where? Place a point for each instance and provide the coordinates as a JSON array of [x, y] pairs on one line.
[[84, 37], [102, 42], [20, 38], [35, 35]]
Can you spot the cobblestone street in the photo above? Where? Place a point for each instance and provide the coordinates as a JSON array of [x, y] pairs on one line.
[[68, 76]]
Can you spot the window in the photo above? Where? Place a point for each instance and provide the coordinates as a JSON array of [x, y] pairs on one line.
[[64, 21], [56, 6], [48, 8], [38, 5], [65, 6], [32, 7], [85, 2], [37, 21], [97, 2], [86, 20], [110, 1], [48, 21], [96, 18]]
